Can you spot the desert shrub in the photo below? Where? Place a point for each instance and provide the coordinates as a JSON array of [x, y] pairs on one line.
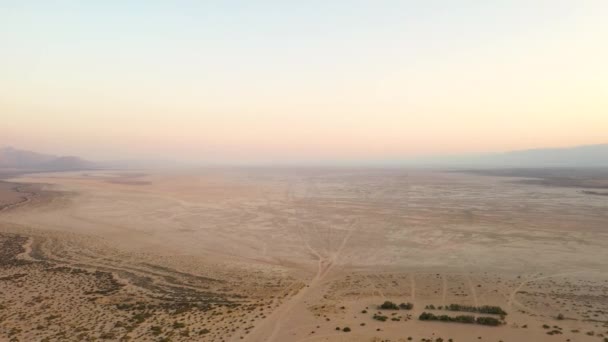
[[380, 317], [487, 309], [141, 317], [467, 319], [124, 306], [14, 331], [444, 318], [107, 336], [388, 305], [464, 319], [156, 330], [488, 321], [346, 329], [427, 316], [560, 317], [406, 306]]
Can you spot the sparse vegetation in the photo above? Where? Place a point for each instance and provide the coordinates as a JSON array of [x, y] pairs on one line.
[[107, 336], [406, 306], [380, 318], [156, 330], [178, 325], [488, 321], [467, 319], [485, 309], [388, 305]]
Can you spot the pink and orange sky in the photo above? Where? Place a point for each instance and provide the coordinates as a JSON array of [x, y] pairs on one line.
[[288, 81]]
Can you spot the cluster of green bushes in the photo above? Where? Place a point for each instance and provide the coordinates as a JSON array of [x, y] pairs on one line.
[[468, 319], [488, 321], [388, 305], [427, 316], [486, 309]]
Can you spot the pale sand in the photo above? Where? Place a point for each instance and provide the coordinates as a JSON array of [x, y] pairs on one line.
[[289, 255]]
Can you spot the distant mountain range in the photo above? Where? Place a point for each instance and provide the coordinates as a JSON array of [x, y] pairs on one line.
[[584, 156], [11, 158], [571, 157]]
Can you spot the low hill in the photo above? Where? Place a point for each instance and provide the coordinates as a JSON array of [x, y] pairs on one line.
[[11, 158], [569, 157]]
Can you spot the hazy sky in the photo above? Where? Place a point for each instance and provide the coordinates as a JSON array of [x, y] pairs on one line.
[[301, 80]]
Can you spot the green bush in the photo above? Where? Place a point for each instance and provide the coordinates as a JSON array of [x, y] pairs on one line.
[[406, 306], [388, 305], [487, 309], [427, 316], [380, 317], [488, 321], [464, 319], [467, 319]]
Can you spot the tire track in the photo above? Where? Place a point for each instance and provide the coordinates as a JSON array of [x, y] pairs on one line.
[[473, 292], [271, 327]]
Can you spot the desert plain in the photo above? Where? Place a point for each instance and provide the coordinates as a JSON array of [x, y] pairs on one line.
[[299, 255]]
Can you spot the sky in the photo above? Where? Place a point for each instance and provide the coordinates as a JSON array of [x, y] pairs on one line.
[[285, 81]]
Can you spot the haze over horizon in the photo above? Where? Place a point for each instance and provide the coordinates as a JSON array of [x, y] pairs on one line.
[[301, 82]]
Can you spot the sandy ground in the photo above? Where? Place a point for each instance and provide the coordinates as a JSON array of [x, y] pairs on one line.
[[298, 255]]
